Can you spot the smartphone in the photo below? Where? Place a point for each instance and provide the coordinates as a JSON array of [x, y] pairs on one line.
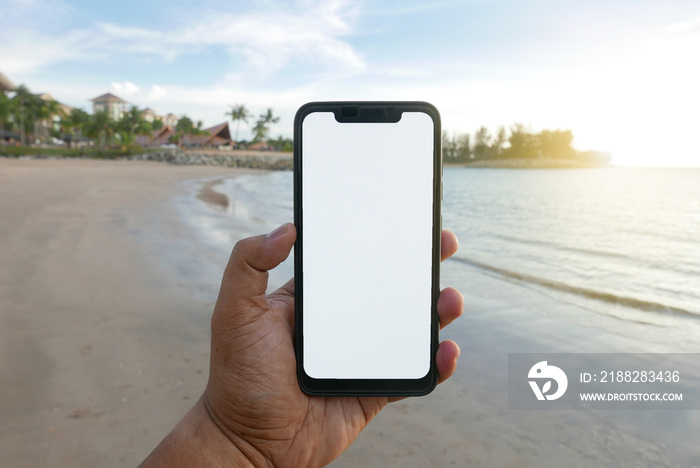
[[367, 194]]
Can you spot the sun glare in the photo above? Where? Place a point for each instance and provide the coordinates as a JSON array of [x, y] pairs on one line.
[[646, 107]]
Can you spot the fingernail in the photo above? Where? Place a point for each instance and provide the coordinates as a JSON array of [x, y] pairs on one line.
[[278, 232]]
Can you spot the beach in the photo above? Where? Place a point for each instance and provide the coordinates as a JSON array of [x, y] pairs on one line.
[[101, 353], [107, 283]]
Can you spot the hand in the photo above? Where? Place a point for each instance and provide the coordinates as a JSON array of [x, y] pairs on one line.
[[252, 409]]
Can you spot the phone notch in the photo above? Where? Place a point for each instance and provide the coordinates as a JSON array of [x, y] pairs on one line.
[[349, 111], [367, 114]]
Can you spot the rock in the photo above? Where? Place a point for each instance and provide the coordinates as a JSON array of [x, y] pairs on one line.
[[273, 162]]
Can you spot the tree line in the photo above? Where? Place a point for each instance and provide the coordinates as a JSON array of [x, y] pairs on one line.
[[261, 130], [515, 142], [31, 119]]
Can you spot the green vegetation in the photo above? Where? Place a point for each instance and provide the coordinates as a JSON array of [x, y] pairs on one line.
[[28, 119], [282, 144], [238, 113], [186, 127], [25, 112], [262, 126], [517, 142], [86, 152], [131, 124], [261, 130]]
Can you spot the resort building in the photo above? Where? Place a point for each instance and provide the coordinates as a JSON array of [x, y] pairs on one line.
[[149, 115], [157, 137], [115, 106], [218, 136], [62, 107], [170, 119]]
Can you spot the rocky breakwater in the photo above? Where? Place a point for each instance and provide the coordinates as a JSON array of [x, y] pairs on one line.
[[251, 160]]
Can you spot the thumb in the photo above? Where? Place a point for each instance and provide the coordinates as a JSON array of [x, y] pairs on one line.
[[245, 277]]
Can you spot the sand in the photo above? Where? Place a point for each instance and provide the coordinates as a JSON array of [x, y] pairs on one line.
[[102, 350], [100, 353]]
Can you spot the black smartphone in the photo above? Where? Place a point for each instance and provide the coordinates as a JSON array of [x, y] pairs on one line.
[[367, 194]]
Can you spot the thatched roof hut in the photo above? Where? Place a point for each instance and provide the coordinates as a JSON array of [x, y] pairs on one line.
[[218, 135]]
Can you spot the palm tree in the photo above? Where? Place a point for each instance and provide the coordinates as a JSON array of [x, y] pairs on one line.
[[238, 113], [43, 116], [269, 117], [26, 104], [74, 124], [131, 124], [157, 124], [259, 131], [6, 109], [185, 126], [262, 126], [100, 126]]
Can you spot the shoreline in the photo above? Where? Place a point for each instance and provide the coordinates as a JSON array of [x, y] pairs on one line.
[[522, 163], [283, 161]]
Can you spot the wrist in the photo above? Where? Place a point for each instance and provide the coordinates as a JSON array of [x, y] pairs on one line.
[[200, 440], [251, 455]]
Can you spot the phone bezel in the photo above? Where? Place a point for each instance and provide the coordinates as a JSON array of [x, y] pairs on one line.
[[366, 111]]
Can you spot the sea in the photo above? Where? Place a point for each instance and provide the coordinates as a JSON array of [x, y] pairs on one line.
[[610, 248]]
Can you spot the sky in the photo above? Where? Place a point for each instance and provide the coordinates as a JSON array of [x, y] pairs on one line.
[[622, 75]]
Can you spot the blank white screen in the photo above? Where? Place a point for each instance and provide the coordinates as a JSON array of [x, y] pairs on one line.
[[367, 247]]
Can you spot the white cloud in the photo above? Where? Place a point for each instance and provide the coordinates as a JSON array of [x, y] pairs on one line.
[[682, 28], [127, 88], [266, 41], [26, 51], [269, 41], [26, 39], [404, 9], [157, 93]]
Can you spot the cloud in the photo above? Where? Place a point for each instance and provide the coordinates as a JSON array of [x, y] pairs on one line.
[[126, 88], [404, 9], [28, 37], [157, 93], [260, 43], [271, 40], [683, 28]]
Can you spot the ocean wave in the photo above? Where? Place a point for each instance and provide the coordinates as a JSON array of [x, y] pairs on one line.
[[589, 293], [689, 269], [559, 246]]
